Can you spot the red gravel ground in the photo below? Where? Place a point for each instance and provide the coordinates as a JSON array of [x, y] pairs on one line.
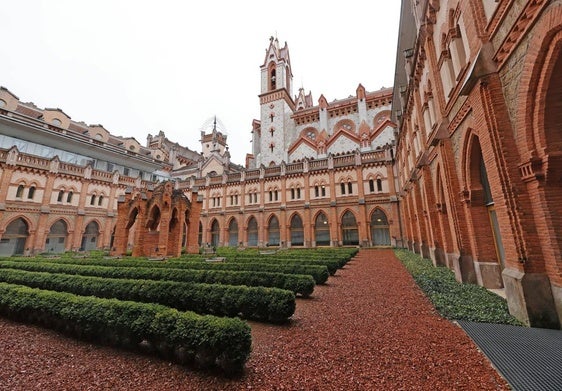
[[369, 328]]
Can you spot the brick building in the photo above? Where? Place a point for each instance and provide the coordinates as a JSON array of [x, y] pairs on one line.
[[318, 175], [478, 99]]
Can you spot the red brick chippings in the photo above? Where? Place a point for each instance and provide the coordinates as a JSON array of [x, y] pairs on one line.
[[369, 328]]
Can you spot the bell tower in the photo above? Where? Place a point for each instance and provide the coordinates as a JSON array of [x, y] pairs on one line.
[[274, 135]]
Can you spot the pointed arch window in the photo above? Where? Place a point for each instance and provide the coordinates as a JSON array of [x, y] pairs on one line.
[[233, 233], [273, 234], [59, 197], [31, 192], [19, 191], [252, 232], [297, 231], [350, 233], [380, 234], [215, 233], [322, 230], [69, 197]]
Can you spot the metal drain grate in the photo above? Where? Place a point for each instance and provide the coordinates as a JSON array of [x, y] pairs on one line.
[[528, 358]]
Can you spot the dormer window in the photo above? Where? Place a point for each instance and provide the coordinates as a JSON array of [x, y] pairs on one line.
[[56, 122]]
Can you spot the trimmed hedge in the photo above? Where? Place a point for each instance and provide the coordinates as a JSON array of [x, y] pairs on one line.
[[299, 284], [258, 303], [332, 265], [318, 272], [183, 337], [454, 300]]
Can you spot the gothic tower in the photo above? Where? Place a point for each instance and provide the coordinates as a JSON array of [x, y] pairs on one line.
[[273, 137]]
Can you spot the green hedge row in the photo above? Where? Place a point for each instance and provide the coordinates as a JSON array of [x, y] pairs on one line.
[[452, 299], [318, 272], [257, 303], [296, 283], [332, 265], [184, 337]]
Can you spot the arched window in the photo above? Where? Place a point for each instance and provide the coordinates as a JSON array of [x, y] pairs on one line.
[[13, 240], [252, 232], [273, 232], [19, 191], [90, 237], [350, 234], [379, 184], [200, 235], [69, 197], [371, 186], [233, 233], [215, 233], [100, 200], [92, 200], [31, 192], [153, 222], [297, 231], [322, 230], [380, 234], [56, 240], [59, 197]]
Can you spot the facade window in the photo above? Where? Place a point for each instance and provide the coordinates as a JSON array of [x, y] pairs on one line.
[[371, 186], [69, 197], [342, 188], [92, 200], [298, 193], [349, 187], [100, 200], [19, 191], [270, 196], [316, 191], [323, 191], [61, 194], [292, 193], [31, 192], [379, 184]]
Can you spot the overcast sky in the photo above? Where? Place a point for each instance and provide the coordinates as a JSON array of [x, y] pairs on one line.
[[138, 67]]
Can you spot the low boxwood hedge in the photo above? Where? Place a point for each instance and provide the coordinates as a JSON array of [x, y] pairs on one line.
[[296, 283], [318, 272], [257, 303], [184, 337], [454, 300]]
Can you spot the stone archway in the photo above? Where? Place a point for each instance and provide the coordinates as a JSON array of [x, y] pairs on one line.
[[157, 215]]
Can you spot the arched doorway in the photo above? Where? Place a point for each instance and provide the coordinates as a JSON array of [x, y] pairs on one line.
[[252, 232], [90, 237], [487, 236], [215, 233], [297, 231], [273, 234], [380, 232], [322, 230], [14, 238], [56, 240], [233, 233], [349, 231]]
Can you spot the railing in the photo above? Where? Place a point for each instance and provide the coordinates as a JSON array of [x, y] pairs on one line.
[[294, 167], [344, 161], [33, 161], [254, 174], [273, 171]]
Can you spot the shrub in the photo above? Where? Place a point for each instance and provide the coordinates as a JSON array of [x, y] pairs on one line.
[[185, 337], [454, 300], [258, 303]]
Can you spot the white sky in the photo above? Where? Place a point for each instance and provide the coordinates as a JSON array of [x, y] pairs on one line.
[[138, 67]]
